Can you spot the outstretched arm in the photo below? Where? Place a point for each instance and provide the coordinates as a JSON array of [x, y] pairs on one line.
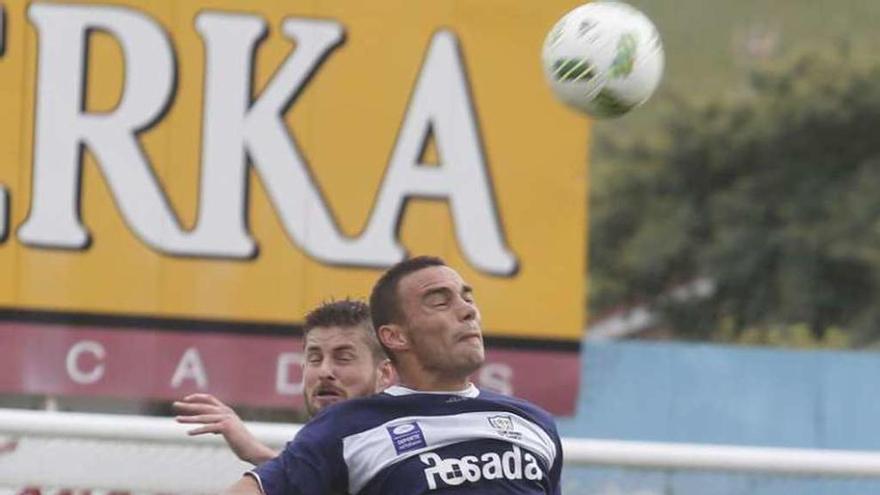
[[217, 417]]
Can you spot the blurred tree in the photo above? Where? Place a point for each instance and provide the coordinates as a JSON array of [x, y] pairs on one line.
[[773, 198]]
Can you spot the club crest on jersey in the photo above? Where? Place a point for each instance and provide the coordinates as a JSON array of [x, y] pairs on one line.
[[504, 425], [406, 436]]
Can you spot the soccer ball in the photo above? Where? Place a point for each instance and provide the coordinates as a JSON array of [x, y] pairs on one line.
[[603, 58]]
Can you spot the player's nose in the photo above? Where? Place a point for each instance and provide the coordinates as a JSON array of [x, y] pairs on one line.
[[327, 371], [466, 310]]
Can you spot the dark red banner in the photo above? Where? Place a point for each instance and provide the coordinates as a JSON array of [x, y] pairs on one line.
[[253, 370]]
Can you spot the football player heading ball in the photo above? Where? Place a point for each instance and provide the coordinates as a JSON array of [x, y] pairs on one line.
[[435, 430]]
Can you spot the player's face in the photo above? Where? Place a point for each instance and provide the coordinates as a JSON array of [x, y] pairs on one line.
[[442, 321], [339, 366]]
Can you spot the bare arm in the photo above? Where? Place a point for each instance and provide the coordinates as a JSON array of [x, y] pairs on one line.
[[247, 485], [217, 417]]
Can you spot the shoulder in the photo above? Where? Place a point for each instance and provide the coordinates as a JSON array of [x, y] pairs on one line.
[[351, 416], [510, 400]]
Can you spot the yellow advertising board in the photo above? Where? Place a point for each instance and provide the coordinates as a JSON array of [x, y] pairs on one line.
[[237, 161]]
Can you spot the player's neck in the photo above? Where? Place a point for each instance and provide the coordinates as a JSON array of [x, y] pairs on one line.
[[432, 382]]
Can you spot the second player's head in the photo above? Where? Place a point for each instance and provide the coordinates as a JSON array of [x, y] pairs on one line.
[[426, 319], [343, 358]]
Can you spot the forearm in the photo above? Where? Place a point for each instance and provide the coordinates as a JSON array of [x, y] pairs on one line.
[[257, 454]]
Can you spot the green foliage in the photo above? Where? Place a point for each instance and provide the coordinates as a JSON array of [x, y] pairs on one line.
[[799, 336], [773, 197]]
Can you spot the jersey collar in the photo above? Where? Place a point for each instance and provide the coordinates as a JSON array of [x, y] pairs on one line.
[[470, 391]]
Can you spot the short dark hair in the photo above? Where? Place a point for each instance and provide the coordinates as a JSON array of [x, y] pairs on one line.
[[384, 300], [345, 313]]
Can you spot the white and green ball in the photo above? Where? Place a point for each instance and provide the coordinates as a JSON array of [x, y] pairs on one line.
[[603, 58]]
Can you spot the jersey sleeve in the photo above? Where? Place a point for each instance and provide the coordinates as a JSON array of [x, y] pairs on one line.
[[311, 464], [555, 474]]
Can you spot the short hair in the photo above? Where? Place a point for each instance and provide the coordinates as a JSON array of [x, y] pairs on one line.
[[384, 300], [345, 313]]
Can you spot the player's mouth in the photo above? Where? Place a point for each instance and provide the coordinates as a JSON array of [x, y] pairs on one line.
[[328, 395], [471, 336]]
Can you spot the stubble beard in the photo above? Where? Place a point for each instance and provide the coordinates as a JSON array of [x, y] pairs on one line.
[[458, 366]]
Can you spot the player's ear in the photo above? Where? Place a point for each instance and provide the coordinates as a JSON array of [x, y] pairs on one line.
[[386, 375], [393, 337]]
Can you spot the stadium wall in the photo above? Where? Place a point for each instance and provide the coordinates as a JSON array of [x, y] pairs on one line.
[[675, 392]]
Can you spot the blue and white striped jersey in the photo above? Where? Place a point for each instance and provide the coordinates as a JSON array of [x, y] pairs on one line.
[[407, 442]]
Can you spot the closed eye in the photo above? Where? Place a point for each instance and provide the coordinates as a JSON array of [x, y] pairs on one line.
[[346, 357], [437, 299], [467, 294]]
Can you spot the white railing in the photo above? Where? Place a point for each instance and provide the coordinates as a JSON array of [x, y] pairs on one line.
[[124, 428], [160, 440], [722, 458]]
